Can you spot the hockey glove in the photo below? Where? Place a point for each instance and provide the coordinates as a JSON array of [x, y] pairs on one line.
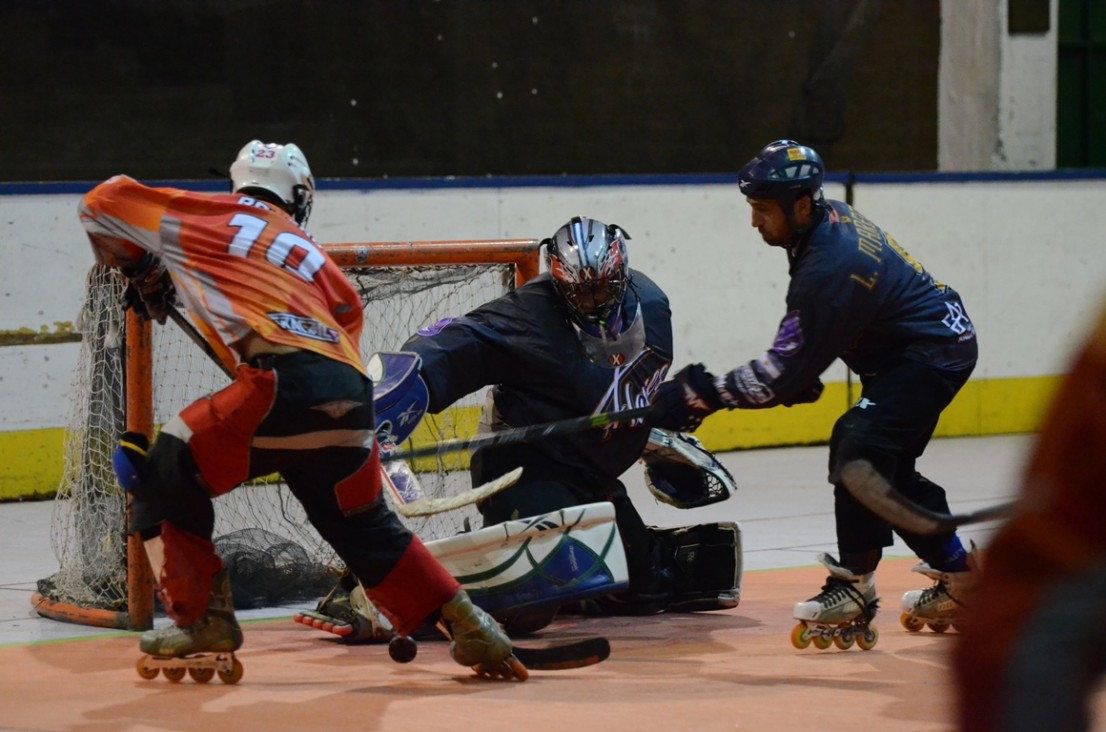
[[811, 394], [129, 460], [150, 291], [681, 404]]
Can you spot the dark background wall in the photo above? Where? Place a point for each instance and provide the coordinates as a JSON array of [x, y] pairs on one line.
[[167, 88]]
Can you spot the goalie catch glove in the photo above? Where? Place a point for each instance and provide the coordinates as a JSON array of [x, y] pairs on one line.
[[681, 472], [150, 291], [682, 403], [129, 460]]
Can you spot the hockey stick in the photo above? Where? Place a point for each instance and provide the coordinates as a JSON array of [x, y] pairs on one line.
[[881, 498], [523, 434], [420, 507], [574, 654], [431, 506], [190, 330]]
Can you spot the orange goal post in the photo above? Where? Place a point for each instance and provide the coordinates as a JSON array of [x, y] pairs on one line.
[[134, 377]]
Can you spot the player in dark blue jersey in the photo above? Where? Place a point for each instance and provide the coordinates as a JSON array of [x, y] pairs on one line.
[[590, 335], [855, 294]]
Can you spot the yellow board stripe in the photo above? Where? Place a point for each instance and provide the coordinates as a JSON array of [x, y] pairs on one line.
[[32, 459]]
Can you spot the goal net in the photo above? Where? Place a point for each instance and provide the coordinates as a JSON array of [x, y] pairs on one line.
[[131, 376]]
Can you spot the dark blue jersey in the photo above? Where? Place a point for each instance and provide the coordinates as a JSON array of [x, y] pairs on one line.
[[855, 294], [525, 344]]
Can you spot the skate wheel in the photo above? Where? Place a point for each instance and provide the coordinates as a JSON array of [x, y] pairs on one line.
[[234, 675], [520, 672], [911, 623], [145, 671], [844, 641], [174, 674], [201, 675], [866, 641], [800, 636], [938, 627], [822, 642]]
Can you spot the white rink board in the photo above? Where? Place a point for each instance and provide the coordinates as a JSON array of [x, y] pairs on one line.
[[1026, 255]]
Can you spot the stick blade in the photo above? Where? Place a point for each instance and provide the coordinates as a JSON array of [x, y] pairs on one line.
[[431, 506], [574, 654], [879, 497]]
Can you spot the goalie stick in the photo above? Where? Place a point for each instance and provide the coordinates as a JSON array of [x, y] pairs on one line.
[[881, 498], [431, 506], [523, 434], [420, 507]]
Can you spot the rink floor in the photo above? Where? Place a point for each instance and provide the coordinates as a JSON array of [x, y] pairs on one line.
[[733, 670]]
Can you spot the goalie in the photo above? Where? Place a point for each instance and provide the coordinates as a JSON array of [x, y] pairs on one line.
[[590, 335]]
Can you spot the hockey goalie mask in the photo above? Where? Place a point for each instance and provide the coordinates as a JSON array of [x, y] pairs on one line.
[[279, 169], [588, 264]]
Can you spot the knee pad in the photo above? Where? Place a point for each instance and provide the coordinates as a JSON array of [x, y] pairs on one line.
[[171, 489]]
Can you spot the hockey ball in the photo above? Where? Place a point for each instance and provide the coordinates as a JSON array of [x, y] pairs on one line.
[[402, 649]]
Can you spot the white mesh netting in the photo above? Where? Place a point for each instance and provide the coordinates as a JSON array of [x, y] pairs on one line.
[[259, 522]]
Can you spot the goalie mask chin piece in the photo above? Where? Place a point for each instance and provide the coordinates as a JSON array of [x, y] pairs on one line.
[[612, 350], [681, 472]]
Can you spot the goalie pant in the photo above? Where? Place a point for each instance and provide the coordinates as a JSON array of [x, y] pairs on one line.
[[259, 425]]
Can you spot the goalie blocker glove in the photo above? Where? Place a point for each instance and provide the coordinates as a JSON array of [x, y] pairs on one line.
[[682, 403], [150, 291]]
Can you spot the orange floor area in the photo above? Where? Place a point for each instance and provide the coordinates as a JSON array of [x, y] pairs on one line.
[[706, 672]]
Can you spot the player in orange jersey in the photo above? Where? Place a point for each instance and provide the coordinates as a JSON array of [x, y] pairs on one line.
[[1030, 654], [279, 313]]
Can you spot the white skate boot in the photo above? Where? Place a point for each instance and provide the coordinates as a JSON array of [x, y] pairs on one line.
[[938, 606], [841, 613]]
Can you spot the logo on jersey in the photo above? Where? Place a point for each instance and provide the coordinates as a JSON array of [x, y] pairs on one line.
[[957, 320], [789, 339], [303, 326], [435, 329]]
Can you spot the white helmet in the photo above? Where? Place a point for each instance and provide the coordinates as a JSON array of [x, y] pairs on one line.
[[280, 169]]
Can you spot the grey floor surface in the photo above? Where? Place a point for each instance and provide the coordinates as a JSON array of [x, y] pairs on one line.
[[783, 503]]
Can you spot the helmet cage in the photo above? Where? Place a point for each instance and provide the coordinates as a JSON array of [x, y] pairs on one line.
[[280, 170]]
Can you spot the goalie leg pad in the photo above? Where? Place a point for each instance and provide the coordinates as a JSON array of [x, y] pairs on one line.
[[522, 571], [707, 563]]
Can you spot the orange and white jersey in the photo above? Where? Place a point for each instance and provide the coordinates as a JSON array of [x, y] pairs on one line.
[[240, 266]]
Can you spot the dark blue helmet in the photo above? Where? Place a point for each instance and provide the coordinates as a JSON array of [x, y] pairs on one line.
[[785, 171]]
